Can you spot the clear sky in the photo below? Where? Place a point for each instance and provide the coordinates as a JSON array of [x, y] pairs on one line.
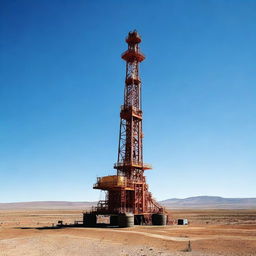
[[61, 87]]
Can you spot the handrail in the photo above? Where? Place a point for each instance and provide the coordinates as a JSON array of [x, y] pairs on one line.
[[113, 183], [120, 164]]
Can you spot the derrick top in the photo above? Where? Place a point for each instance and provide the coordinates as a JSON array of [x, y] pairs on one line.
[[133, 53], [133, 37]]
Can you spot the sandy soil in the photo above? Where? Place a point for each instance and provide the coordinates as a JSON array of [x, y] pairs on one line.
[[210, 232]]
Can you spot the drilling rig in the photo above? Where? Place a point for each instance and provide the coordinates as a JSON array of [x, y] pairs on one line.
[[127, 191]]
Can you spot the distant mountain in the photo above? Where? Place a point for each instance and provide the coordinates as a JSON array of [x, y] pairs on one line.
[[46, 205], [198, 202], [207, 202]]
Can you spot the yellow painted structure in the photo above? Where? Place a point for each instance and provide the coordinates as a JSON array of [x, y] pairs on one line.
[[109, 181]]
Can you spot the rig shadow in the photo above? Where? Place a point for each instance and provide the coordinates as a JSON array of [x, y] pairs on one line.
[[68, 226]]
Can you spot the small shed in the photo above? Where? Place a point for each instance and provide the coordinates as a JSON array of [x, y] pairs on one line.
[[182, 221]]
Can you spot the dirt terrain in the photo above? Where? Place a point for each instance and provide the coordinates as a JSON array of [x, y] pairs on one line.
[[210, 232]]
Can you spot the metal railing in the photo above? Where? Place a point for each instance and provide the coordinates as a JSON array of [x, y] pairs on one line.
[[113, 183], [136, 110], [128, 163]]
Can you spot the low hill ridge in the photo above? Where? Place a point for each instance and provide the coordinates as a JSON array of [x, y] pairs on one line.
[[210, 202], [203, 202], [46, 205]]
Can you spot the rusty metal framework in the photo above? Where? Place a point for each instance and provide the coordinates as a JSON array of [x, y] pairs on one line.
[[127, 191]]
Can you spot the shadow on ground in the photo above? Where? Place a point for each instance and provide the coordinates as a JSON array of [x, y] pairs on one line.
[[69, 226]]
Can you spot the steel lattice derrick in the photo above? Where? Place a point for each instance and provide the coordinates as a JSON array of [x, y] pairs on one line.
[[130, 136], [127, 191], [130, 156]]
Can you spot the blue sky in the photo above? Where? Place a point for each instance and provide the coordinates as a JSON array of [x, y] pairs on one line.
[[61, 87]]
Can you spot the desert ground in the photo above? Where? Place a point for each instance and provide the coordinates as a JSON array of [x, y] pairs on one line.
[[210, 232]]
